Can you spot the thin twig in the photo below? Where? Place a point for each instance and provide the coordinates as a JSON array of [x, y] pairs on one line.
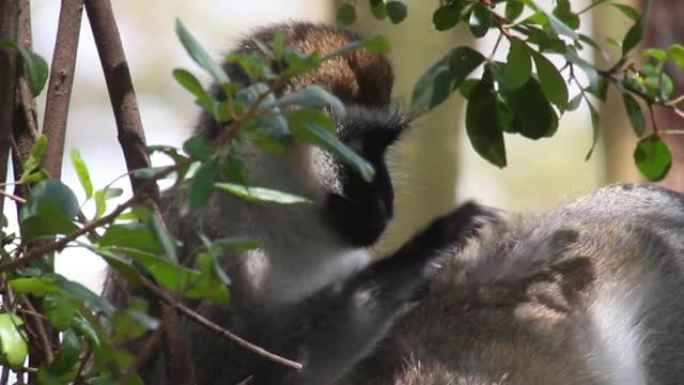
[[78, 379], [12, 196], [654, 123], [218, 329], [231, 131], [43, 337]]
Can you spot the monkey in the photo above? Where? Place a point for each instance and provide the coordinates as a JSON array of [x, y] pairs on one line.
[[591, 293], [315, 255]]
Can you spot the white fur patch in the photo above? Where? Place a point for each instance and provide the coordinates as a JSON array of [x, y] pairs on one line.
[[617, 351]]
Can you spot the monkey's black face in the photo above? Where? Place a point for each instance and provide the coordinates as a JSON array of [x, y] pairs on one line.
[[361, 212]]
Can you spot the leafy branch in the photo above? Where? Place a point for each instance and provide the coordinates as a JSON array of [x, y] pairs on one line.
[[501, 100]]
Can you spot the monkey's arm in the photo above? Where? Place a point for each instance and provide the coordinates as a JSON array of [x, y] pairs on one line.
[[338, 326]]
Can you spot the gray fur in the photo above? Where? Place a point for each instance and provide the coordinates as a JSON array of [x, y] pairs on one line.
[[589, 293]]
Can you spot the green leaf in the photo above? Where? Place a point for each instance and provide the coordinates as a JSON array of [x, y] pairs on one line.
[[165, 272], [131, 323], [628, 11], [220, 245], [58, 308], [35, 69], [95, 302], [86, 330], [68, 355], [566, 15], [13, 340], [588, 40], [213, 282], [676, 52], [378, 9], [482, 125], [198, 147], [560, 27], [599, 88], [188, 81], [199, 54], [101, 197], [122, 266], [378, 44], [314, 127], [655, 53], [547, 40], [595, 129], [82, 172], [636, 117], [163, 238], [574, 103], [35, 158], [443, 77], [653, 158], [270, 133], [514, 9], [313, 96], [396, 10], [49, 210], [551, 81], [636, 32], [134, 235], [530, 97], [233, 166], [260, 194], [519, 66], [38, 286], [467, 87], [447, 16], [346, 14], [480, 20], [202, 185]]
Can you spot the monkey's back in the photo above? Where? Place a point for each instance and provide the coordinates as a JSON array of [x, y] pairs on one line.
[[589, 293]]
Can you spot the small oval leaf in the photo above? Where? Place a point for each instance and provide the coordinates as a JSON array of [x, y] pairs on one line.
[[396, 10], [346, 14], [518, 68], [514, 9], [82, 172], [482, 124], [653, 158], [447, 16], [35, 69], [444, 77], [551, 81]]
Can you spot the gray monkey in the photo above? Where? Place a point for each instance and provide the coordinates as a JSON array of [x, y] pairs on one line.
[[312, 258]]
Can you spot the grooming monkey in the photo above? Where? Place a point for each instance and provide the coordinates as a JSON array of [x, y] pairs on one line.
[[590, 293], [312, 257]]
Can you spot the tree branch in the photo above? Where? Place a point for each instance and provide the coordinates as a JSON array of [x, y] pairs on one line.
[[60, 85], [120, 87]]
